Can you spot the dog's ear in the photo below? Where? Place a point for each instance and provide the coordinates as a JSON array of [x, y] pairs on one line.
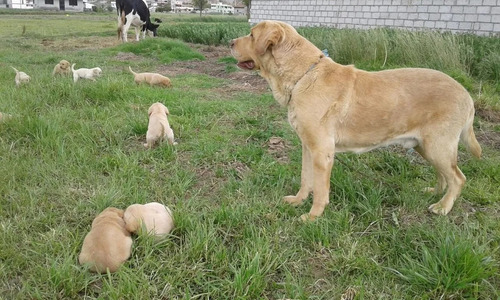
[[268, 35]]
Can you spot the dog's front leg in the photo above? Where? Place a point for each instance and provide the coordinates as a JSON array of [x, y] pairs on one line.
[[306, 179], [322, 162]]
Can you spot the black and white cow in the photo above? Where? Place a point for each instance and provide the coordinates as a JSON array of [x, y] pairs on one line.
[[135, 13]]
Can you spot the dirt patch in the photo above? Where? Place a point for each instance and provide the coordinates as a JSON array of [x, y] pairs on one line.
[[278, 148], [489, 138], [488, 115], [239, 80], [127, 56], [80, 43]]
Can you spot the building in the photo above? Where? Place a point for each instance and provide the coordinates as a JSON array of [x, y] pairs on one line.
[[221, 8], [19, 4], [68, 5]]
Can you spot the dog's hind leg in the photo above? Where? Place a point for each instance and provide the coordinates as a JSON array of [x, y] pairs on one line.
[[169, 134], [306, 178], [442, 155], [441, 181]]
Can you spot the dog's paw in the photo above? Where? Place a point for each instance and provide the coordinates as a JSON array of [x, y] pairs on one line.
[[293, 200], [307, 218], [438, 209]]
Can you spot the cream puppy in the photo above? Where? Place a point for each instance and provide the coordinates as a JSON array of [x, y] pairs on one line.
[[21, 77], [155, 218], [62, 68], [91, 74], [158, 127], [151, 78], [108, 244]]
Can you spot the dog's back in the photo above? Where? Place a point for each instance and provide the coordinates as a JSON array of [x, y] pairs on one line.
[[108, 244]]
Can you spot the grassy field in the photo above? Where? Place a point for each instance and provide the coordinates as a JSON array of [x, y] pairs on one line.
[[70, 150]]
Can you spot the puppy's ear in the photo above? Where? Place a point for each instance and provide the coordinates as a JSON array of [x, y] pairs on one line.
[[268, 36]]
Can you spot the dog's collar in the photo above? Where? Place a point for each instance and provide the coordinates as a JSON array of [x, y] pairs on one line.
[[308, 70]]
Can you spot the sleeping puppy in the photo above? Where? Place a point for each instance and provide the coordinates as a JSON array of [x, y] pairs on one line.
[[21, 77], [108, 244], [151, 78], [155, 218], [91, 74], [336, 108], [158, 127], [62, 68]]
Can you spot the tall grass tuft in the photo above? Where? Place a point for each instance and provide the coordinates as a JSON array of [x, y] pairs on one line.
[[209, 34], [384, 48], [447, 263], [164, 50]]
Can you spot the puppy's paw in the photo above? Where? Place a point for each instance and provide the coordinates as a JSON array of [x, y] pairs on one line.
[[146, 146], [307, 218], [438, 209], [293, 200]]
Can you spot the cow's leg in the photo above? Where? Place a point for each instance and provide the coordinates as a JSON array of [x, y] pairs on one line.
[[125, 29], [137, 32]]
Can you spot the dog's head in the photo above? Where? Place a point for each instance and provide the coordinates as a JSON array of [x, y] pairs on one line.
[[64, 64], [133, 218], [271, 45], [158, 108], [109, 214], [97, 71]]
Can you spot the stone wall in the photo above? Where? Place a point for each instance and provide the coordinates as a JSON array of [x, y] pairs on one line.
[[477, 16]]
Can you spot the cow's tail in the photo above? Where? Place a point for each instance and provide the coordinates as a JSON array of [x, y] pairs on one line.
[[131, 70]]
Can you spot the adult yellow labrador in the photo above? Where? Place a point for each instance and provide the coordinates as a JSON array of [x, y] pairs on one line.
[[336, 108]]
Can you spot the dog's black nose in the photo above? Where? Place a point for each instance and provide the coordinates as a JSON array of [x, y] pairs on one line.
[[231, 43]]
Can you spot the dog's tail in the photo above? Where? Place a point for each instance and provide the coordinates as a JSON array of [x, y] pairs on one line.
[[131, 70], [15, 69], [73, 68], [469, 138]]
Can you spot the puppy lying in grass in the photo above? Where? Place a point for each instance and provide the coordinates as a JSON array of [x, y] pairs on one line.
[[108, 244], [158, 127], [155, 218], [151, 79], [62, 68], [21, 77], [90, 74]]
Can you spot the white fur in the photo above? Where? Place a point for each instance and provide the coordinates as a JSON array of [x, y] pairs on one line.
[[91, 74], [154, 217], [134, 20], [21, 77]]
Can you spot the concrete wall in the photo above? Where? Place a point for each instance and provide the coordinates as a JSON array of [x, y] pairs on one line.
[[478, 16]]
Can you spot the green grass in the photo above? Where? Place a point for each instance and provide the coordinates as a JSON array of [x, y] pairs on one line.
[[71, 150]]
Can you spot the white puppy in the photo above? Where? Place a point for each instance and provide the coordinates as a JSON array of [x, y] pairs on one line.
[[158, 127], [91, 74], [155, 218], [21, 77]]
